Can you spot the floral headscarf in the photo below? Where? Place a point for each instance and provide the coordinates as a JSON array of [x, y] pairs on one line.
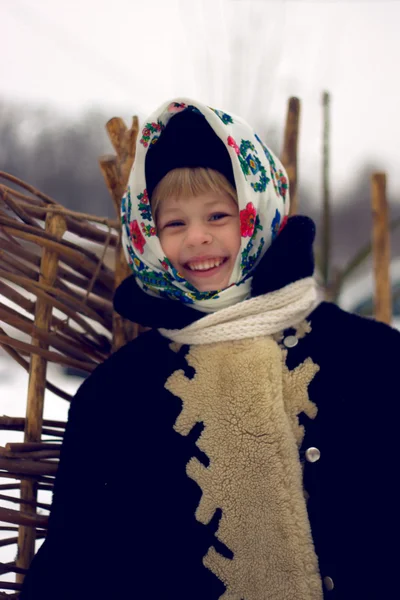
[[262, 189]]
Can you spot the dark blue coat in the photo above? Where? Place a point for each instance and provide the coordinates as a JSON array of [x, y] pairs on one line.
[[122, 523]]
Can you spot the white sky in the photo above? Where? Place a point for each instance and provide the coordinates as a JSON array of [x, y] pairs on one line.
[[247, 56]]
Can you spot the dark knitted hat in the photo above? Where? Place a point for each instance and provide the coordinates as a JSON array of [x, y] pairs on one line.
[[187, 141]]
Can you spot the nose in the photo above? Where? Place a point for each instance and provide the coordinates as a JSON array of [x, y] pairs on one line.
[[197, 235]]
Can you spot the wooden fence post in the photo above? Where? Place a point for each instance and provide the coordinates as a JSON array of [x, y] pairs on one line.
[[56, 226], [289, 152], [326, 228], [381, 248], [116, 171]]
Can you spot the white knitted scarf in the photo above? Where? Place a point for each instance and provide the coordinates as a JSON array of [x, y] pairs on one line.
[[263, 315]]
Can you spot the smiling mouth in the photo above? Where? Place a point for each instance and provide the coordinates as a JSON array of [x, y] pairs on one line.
[[205, 266]]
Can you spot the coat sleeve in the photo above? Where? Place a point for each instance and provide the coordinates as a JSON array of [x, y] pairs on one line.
[[371, 456], [63, 566]]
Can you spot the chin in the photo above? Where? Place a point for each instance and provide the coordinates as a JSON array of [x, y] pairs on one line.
[[209, 287]]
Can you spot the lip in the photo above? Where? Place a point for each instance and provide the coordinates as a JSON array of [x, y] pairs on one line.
[[203, 258], [208, 272]]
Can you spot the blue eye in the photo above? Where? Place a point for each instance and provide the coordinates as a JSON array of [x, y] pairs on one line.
[[174, 224], [218, 216]]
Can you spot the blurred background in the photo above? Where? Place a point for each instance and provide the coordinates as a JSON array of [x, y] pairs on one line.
[[66, 68]]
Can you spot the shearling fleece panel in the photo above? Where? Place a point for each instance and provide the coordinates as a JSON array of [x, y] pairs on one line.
[[295, 394], [254, 475]]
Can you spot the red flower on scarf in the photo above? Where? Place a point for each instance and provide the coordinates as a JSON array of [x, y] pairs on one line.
[[248, 220], [137, 237], [165, 265], [283, 224], [233, 144], [176, 107]]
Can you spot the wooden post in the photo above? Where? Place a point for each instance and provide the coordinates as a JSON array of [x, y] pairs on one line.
[[289, 153], [116, 170], [326, 201], [381, 248], [55, 225]]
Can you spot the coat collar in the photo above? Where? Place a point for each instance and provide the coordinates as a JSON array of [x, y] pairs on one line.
[[289, 258]]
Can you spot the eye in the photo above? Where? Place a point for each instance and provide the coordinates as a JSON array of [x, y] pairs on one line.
[[174, 224], [218, 216]]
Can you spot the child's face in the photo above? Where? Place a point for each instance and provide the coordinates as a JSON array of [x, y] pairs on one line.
[[201, 237]]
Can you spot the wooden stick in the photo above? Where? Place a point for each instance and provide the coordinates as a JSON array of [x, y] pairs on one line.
[[19, 518], [97, 305], [10, 568], [15, 250], [50, 339], [116, 172], [14, 500], [55, 227], [117, 131], [28, 467], [43, 292], [46, 487], [101, 303], [99, 308], [51, 205], [27, 199], [38, 235], [21, 477], [17, 266], [18, 424], [8, 585], [34, 447], [47, 355], [77, 258], [29, 453], [97, 269], [25, 365], [39, 210], [16, 486], [109, 168], [18, 210], [100, 344], [27, 187], [381, 248], [289, 153], [8, 541], [124, 142], [66, 335], [326, 217], [9, 222]]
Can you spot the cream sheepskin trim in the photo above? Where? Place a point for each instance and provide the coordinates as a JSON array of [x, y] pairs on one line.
[[249, 402]]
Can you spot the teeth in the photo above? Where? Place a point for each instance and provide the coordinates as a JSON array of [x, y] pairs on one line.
[[206, 264]]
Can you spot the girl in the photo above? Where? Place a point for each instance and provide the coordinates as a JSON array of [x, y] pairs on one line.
[[245, 447]]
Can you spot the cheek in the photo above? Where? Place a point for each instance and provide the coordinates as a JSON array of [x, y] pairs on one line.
[[236, 239], [170, 247]]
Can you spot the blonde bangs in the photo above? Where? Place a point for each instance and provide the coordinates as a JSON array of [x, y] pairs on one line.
[[187, 182]]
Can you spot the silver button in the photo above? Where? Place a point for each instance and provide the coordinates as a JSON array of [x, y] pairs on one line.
[[290, 341], [328, 583], [313, 454]]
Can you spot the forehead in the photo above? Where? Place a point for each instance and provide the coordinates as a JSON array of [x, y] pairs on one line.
[[190, 203]]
